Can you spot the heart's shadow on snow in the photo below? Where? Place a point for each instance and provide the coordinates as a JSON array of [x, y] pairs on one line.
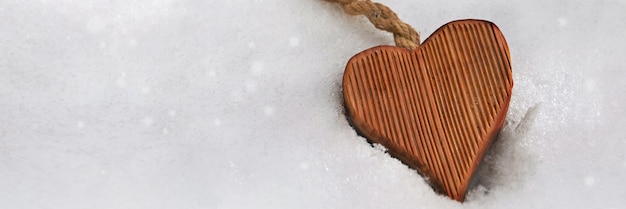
[[508, 165]]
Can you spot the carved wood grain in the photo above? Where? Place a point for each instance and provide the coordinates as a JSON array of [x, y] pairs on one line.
[[437, 108]]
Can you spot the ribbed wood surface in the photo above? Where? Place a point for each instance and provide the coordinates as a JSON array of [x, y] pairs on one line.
[[436, 108]]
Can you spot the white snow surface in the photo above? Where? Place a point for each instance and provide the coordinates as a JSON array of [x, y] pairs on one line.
[[237, 104]]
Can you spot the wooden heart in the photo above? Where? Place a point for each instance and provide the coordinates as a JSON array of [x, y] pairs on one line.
[[437, 108]]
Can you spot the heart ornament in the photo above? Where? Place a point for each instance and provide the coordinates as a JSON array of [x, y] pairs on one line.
[[437, 108]]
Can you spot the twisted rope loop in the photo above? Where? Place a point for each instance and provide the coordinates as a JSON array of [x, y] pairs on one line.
[[383, 18]]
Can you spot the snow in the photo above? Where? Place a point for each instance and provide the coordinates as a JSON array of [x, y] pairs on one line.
[[237, 104]]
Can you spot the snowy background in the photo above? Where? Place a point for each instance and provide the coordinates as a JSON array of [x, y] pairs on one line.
[[237, 104]]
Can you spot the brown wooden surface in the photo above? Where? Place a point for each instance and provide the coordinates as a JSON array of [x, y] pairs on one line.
[[437, 108]]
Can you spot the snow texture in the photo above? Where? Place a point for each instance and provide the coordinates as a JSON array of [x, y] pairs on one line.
[[237, 104]]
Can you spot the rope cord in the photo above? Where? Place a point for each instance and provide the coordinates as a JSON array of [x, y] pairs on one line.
[[383, 18]]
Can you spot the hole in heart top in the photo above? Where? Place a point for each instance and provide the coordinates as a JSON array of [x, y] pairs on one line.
[[437, 108]]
